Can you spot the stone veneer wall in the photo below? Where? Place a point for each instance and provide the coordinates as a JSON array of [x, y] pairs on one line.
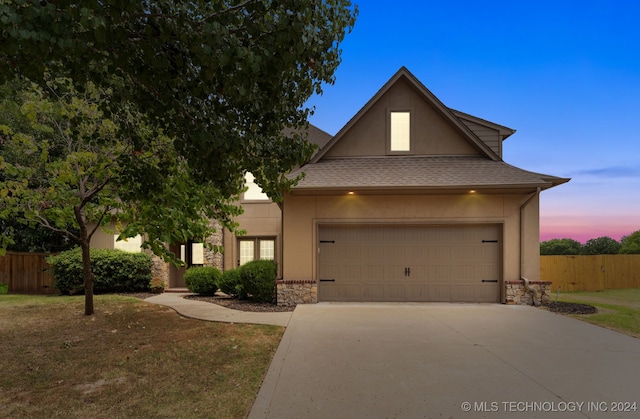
[[291, 292], [212, 258], [516, 293]]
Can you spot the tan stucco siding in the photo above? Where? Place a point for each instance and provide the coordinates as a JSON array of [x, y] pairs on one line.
[[258, 220], [303, 214], [531, 261], [102, 239], [431, 134]]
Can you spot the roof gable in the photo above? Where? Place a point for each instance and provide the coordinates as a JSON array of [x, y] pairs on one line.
[[436, 129]]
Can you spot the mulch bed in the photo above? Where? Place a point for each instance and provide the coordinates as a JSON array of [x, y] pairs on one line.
[[243, 305], [570, 308]]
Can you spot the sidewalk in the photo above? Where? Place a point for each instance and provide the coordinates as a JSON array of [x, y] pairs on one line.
[[212, 312]]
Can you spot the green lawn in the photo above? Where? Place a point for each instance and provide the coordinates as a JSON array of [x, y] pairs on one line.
[[617, 309], [131, 359]]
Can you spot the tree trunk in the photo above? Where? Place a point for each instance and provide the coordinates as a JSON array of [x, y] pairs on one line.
[[88, 278]]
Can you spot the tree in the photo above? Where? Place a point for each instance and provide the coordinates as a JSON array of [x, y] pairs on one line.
[[69, 167], [601, 246], [630, 244], [223, 78], [25, 237], [560, 247]]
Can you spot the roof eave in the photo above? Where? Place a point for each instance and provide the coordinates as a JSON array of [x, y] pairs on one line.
[[403, 190]]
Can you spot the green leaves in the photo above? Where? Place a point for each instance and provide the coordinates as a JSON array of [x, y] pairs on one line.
[[220, 80]]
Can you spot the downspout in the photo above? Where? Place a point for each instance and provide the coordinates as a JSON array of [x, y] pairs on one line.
[[527, 285]]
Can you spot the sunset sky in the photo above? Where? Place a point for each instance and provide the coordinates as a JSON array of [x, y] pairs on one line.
[[564, 74]]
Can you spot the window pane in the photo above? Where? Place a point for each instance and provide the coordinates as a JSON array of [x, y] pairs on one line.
[[197, 253], [254, 193], [246, 251], [400, 131], [132, 244], [267, 249]]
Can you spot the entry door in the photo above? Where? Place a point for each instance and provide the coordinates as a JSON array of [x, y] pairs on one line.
[[402, 263]]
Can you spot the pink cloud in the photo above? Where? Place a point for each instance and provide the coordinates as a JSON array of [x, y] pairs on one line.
[[585, 227]]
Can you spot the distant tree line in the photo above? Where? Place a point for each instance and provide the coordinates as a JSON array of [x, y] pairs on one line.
[[600, 246]]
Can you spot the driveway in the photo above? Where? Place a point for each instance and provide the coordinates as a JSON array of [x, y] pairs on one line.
[[387, 360]]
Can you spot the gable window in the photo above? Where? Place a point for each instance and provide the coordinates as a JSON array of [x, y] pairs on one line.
[[400, 131], [255, 249], [254, 192]]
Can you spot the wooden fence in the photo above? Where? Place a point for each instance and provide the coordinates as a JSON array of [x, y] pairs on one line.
[[591, 273], [26, 273]]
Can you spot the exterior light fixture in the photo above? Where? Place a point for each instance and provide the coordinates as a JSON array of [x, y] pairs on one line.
[[350, 193], [472, 191]]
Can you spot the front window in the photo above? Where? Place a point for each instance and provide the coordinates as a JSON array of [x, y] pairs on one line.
[[255, 249]]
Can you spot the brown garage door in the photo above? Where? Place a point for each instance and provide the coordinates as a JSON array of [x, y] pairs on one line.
[[409, 263]]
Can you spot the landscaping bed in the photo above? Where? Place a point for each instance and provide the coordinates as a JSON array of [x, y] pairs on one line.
[[243, 305], [564, 307]]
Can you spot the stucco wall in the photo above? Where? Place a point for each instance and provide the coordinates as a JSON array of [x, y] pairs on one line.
[[302, 214], [258, 220], [432, 134]]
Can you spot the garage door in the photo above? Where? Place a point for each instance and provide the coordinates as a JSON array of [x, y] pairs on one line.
[[403, 263]]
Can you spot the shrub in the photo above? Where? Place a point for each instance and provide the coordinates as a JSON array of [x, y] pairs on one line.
[[113, 271], [202, 280], [156, 285], [230, 283], [258, 279]]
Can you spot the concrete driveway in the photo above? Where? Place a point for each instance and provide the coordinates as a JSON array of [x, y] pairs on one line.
[[386, 360]]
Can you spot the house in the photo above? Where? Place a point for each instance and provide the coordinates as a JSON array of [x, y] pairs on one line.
[[409, 201]]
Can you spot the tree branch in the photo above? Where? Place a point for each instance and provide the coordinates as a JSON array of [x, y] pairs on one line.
[[45, 223], [230, 9]]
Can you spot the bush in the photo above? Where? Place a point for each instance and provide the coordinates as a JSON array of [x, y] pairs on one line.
[[156, 285], [113, 271], [230, 283], [203, 280], [258, 279]]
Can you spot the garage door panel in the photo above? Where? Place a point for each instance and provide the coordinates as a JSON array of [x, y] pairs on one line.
[[337, 292], [394, 292], [374, 273], [401, 263], [486, 293], [417, 292], [373, 292], [440, 293], [394, 273]]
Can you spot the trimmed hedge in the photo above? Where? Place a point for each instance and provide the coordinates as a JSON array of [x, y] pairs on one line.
[[230, 283], [202, 280], [258, 279], [113, 271]]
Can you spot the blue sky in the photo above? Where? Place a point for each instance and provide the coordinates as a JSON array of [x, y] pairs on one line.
[[564, 74]]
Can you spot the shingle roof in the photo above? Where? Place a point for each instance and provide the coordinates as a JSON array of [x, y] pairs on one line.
[[419, 172]]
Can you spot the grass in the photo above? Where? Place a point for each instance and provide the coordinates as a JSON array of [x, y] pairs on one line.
[[130, 360], [618, 310]]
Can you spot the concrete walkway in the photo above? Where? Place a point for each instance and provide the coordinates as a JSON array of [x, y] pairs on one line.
[[212, 312]]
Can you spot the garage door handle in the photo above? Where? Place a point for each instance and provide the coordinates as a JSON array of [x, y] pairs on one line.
[[489, 280], [327, 280]]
